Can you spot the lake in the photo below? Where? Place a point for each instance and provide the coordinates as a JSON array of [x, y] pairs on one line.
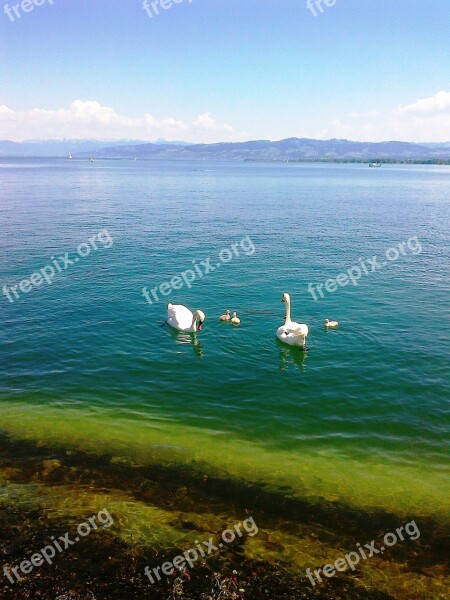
[[348, 438]]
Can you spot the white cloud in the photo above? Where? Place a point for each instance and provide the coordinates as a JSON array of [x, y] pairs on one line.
[[207, 123], [89, 119], [366, 115], [436, 105], [424, 120]]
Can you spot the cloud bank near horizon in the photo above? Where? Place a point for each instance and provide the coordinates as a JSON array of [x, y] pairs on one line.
[[424, 120], [89, 119]]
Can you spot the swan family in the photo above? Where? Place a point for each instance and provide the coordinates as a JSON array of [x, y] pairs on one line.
[[290, 333]]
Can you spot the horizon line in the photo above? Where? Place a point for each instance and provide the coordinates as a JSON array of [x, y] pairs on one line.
[[161, 141]]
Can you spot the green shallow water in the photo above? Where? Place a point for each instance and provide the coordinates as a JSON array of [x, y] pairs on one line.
[[361, 419], [321, 475]]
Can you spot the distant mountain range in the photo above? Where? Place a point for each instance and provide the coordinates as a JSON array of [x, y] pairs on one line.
[[60, 148], [288, 149]]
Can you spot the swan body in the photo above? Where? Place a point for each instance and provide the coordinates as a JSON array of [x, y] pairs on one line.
[[235, 320], [226, 316], [181, 318], [331, 323], [292, 333]]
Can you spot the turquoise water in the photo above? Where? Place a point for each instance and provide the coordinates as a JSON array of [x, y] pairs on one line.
[[361, 418], [377, 387]]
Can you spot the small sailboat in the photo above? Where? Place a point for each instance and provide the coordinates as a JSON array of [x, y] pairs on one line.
[[375, 164], [69, 155], [91, 158]]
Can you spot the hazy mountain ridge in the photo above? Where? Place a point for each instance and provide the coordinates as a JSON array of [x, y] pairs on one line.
[[60, 148], [287, 149]]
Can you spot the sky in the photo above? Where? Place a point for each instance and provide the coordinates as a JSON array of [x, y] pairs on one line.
[[225, 70]]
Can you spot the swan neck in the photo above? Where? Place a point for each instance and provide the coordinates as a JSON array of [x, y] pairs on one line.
[[288, 310], [194, 322]]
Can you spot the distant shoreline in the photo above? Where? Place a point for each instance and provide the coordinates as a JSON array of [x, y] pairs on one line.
[[367, 161], [286, 150], [386, 161]]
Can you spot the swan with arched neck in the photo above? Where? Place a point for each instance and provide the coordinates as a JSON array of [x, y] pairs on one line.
[[181, 318]]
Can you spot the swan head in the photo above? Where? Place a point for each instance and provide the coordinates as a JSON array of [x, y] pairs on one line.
[[285, 297], [200, 317], [326, 321]]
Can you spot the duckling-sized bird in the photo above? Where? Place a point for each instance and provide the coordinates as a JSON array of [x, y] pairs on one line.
[[226, 316], [235, 319], [331, 323]]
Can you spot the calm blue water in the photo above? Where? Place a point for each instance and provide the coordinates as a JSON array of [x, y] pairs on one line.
[[86, 363]]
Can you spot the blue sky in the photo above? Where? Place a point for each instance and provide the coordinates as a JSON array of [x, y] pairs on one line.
[[219, 70]]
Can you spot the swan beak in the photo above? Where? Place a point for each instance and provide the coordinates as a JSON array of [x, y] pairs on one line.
[[283, 300], [200, 325]]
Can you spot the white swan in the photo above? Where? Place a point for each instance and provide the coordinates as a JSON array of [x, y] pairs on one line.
[[181, 318], [331, 323], [235, 320], [292, 333]]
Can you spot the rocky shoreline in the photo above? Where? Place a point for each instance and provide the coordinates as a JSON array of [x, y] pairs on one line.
[[106, 567]]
